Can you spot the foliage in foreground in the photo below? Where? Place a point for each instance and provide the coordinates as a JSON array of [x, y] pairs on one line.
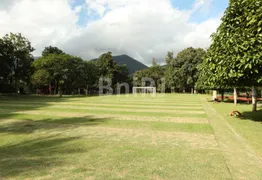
[[234, 58]]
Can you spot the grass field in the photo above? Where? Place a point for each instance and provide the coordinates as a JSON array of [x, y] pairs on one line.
[[127, 137]]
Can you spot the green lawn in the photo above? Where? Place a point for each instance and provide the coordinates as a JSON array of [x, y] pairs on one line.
[[249, 126], [125, 137]]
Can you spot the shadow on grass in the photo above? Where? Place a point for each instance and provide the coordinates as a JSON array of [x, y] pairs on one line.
[[28, 157], [228, 102], [14, 100], [29, 126], [252, 116], [11, 105], [41, 153]]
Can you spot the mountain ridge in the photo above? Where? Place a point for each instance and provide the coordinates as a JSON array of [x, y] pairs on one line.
[[132, 64]]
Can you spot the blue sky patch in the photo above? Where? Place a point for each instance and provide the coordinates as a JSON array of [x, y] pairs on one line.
[[215, 9]]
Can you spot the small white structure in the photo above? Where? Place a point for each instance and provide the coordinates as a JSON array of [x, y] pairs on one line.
[[214, 95], [144, 90]]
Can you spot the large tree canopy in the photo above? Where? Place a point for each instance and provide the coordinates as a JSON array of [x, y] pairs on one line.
[[51, 50], [155, 72], [169, 71], [15, 59], [235, 55], [62, 70], [236, 52], [108, 68], [182, 72], [89, 75]]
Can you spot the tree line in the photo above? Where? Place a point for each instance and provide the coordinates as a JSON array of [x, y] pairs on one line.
[[55, 72], [180, 73]]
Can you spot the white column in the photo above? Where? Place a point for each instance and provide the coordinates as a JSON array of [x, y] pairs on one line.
[[214, 95], [254, 98], [235, 96]]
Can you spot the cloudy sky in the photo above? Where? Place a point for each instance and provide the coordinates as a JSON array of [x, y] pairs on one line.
[[143, 29]]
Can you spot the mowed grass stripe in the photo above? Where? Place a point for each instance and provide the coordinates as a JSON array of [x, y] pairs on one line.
[[90, 108], [127, 124], [143, 102], [110, 111], [159, 138], [111, 116], [133, 135], [108, 103], [116, 105]]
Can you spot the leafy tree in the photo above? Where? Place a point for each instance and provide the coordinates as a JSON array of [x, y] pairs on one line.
[[155, 72], [16, 59], [62, 70], [51, 50], [121, 74], [169, 71], [107, 65], [108, 68], [41, 77], [89, 75], [6, 49], [185, 65], [234, 57]]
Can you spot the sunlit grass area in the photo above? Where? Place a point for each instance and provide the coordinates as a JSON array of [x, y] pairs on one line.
[[111, 137], [249, 125]]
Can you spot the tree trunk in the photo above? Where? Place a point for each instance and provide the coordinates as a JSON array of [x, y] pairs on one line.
[[254, 99], [222, 95], [192, 90], [86, 90], [16, 87], [57, 88], [50, 89], [235, 96], [59, 91]]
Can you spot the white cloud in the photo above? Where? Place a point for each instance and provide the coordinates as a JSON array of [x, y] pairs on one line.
[[141, 29], [202, 6]]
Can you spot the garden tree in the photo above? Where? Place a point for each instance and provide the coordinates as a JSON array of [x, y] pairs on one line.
[[16, 59], [62, 70], [121, 74], [107, 65], [207, 78], [155, 72], [41, 77], [6, 48], [51, 50], [235, 54], [169, 71], [89, 75], [108, 68], [71, 77], [185, 65]]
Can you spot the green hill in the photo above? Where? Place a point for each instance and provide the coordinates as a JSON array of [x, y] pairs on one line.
[[132, 64]]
